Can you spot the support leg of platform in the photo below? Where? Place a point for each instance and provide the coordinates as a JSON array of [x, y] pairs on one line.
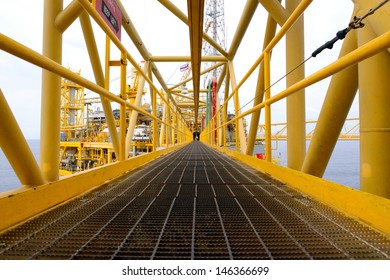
[[51, 94], [296, 124], [341, 93], [374, 88]]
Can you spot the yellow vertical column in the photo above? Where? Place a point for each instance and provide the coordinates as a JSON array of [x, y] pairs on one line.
[[177, 126], [162, 126], [107, 64], [155, 123], [224, 109], [267, 82], [296, 124], [173, 131], [109, 156], [168, 121], [51, 94], [122, 124], [374, 102], [219, 131], [107, 83], [179, 129]]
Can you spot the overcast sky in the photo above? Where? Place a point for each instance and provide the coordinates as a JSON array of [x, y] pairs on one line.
[[163, 34]]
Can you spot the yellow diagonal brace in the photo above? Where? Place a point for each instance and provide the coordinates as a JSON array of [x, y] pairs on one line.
[[16, 149]]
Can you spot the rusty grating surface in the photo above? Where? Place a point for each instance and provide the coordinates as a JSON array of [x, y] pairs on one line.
[[195, 203]]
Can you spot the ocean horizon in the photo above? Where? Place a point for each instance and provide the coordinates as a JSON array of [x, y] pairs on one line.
[[343, 167]]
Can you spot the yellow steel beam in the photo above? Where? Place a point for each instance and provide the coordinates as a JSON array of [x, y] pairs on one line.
[[218, 121], [379, 21], [16, 149], [190, 105], [176, 11], [224, 107], [51, 94], [290, 22], [240, 133], [168, 124], [168, 58], [267, 95], [221, 77], [175, 91], [136, 38], [122, 120], [296, 114], [33, 57], [246, 17], [163, 130], [374, 100], [95, 15], [276, 10], [21, 204], [66, 17], [340, 95], [259, 93], [348, 133], [195, 21], [100, 79], [179, 104], [369, 208], [156, 137], [373, 47], [211, 68]]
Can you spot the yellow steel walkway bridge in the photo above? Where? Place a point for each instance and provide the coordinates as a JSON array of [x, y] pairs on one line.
[[202, 200]]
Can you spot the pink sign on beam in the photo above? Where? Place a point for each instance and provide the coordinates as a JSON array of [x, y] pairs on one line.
[[111, 14]]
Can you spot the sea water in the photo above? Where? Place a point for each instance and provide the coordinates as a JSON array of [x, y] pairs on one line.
[[8, 178], [343, 167]]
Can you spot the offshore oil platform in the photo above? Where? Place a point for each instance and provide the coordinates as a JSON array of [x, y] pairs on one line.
[[85, 140], [121, 174]]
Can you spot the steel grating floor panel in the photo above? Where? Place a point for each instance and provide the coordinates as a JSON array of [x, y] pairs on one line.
[[195, 203]]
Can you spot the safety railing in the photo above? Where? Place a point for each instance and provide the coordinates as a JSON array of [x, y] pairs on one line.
[[171, 129], [333, 109]]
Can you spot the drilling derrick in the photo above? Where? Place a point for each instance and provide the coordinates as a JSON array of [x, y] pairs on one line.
[[214, 27], [214, 23]]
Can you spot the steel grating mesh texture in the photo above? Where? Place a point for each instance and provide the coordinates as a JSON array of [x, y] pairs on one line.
[[195, 203]]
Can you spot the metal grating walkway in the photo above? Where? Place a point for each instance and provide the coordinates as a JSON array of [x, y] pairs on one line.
[[195, 203]]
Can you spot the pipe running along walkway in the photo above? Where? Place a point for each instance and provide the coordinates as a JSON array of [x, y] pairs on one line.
[[195, 203]]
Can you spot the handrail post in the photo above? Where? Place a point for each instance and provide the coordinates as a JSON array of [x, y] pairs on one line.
[[122, 119], [267, 82]]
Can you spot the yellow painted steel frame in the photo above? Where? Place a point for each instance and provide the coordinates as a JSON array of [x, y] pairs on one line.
[[371, 209], [375, 158], [19, 205], [37, 195]]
